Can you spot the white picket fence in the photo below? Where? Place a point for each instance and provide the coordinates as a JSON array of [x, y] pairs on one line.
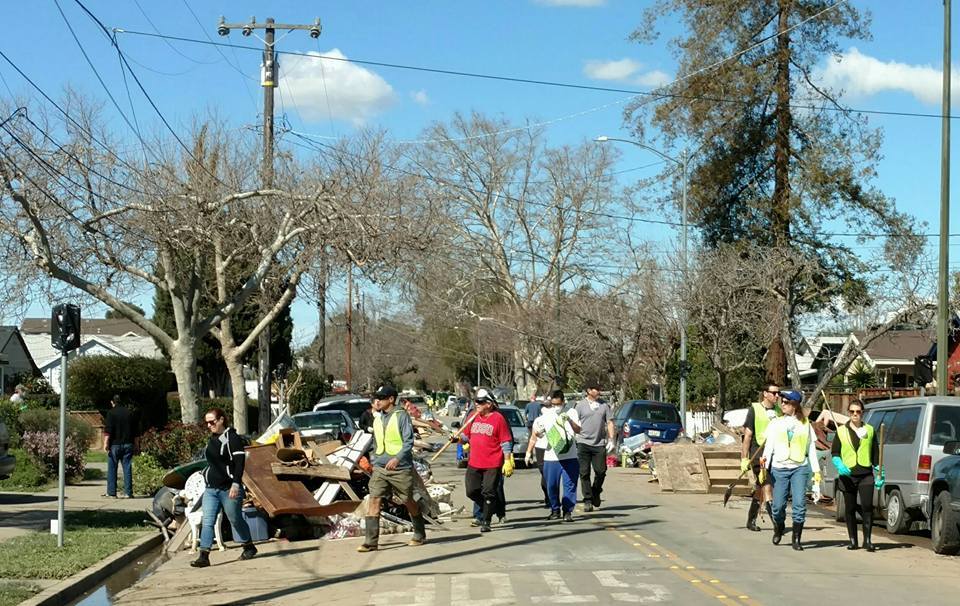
[[700, 421]]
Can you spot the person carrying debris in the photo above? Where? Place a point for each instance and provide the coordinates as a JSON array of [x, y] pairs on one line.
[[855, 455], [491, 456], [754, 438], [560, 464], [226, 459], [393, 471], [791, 453], [594, 442]]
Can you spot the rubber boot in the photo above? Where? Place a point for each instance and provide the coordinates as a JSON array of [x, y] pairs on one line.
[[419, 531], [852, 534], [249, 550], [371, 526], [778, 528], [770, 511], [752, 515], [203, 559], [797, 532], [867, 532], [487, 515]]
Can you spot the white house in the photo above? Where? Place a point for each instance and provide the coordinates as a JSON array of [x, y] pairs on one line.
[[15, 357]]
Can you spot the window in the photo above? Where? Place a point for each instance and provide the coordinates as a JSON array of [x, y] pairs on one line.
[[512, 417], [903, 430], [946, 424], [654, 414], [880, 417]]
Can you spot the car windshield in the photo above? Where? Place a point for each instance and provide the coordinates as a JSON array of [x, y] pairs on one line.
[[654, 414], [513, 417], [318, 420]]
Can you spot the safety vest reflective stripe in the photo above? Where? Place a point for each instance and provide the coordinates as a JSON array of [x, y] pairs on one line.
[[860, 456], [393, 441], [798, 445], [760, 422]]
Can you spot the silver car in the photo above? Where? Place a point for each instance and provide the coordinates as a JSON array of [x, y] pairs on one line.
[[7, 461], [518, 427]]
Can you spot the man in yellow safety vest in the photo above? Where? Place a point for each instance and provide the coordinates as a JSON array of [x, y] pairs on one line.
[[393, 471], [754, 437]]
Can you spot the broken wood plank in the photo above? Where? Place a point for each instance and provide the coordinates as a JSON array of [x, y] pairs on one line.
[[274, 495], [326, 472]]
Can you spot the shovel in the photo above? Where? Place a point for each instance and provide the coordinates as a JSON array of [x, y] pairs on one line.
[[729, 491], [456, 434], [881, 501]]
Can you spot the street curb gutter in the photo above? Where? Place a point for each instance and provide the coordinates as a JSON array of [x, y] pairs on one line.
[[85, 580]]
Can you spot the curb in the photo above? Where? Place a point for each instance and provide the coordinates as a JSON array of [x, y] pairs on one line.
[[73, 587]]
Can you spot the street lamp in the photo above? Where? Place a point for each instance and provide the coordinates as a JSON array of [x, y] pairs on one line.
[[682, 163]]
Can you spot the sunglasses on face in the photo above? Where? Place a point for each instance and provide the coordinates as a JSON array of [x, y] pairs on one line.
[[774, 393], [213, 422], [856, 412]]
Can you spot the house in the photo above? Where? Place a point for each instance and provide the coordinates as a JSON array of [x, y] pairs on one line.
[[815, 354], [110, 337], [15, 358], [892, 356]]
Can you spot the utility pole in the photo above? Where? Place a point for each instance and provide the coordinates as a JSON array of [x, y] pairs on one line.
[[268, 80], [349, 344], [684, 367], [943, 298], [322, 313]]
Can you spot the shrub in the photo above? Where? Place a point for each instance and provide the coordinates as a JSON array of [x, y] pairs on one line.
[[142, 382], [26, 475], [147, 475], [44, 448], [40, 421], [310, 387], [175, 444], [10, 416], [204, 404]]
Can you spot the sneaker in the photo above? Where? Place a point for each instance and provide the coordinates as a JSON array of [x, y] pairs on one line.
[[365, 548], [501, 519], [416, 542], [125, 496], [484, 527], [108, 496], [568, 517], [587, 507], [249, 550], [475, 522], [554, 515]]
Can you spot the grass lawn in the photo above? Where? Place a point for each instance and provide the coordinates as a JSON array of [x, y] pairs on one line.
[[90, 537], [12, 593], [95, 456]]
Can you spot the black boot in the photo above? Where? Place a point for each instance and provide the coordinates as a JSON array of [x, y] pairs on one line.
[[752, 515], [203, 559], [371, 526], [419, 531], [778, 528], [487, 515], [249, 550], [867, 531], [852, 533], [797, 532], [770, 511]]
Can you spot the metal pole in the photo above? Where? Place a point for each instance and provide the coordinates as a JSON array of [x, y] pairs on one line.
[[62, 462], [943, 309], [683, 275], [478, 352], [349, 343]]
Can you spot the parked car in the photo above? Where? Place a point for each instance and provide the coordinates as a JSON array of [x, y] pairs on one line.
[[335, 424], [352, 404], [7, 461], [916, 430], [659, 420], [944, 504]]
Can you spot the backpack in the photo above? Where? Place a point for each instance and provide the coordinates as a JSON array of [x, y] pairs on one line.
[[559, 437]]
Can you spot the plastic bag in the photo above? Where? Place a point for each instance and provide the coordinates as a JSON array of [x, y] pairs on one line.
[[559, 437]]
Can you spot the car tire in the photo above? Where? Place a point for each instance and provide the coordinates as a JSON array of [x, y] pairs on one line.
[[840, 512], [944, 526], [898, 520]]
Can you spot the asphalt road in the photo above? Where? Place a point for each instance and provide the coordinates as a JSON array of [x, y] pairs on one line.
[[641, 547]]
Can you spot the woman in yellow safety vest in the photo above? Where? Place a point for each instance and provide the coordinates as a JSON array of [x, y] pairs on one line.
[[791, 454], [855, 455]]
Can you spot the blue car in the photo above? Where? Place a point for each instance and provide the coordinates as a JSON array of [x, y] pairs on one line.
[[659, 420]]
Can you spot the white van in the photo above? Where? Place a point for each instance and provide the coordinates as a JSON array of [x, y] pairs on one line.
[[915, 431]]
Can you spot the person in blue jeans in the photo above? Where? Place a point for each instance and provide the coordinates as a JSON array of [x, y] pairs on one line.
[[119, 440], [791, 454], [560, 469], [225, 461]]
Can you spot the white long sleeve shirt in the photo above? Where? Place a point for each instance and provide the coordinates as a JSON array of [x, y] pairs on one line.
[[778, 455]]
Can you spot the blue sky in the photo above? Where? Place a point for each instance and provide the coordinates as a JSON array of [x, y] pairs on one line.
[[577, 41]]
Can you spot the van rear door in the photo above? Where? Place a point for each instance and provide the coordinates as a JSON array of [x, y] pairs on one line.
[[901, 452]]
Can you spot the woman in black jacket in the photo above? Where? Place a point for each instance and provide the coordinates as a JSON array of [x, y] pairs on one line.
[[224, 472]]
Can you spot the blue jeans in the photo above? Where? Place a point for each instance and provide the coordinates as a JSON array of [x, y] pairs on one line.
[[566, 471], [123, 454], [795, 482], [213, 500]]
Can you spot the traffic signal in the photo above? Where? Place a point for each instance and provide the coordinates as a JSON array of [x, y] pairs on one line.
[[65, 327]]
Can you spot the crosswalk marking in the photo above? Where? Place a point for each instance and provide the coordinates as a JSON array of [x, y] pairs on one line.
[[561, 593], [423, 593], [498, 582]]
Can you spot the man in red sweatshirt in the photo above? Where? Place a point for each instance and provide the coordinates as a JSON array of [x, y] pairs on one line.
[[490, 445]]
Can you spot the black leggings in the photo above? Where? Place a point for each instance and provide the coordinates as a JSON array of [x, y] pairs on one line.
[[851, 487]]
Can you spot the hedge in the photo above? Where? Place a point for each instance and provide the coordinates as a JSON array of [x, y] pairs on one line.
[[205, 404], [140, 382]]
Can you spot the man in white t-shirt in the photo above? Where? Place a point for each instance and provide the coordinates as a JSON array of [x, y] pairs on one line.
[[560, 469]]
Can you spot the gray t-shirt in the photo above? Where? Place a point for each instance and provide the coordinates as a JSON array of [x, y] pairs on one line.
[[593, 422], [405, 456]]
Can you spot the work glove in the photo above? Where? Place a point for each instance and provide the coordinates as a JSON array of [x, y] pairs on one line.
[[508, 466], [529, 459], [817, 477], [454, 439], [763, 475], [880, 477], [744, 465], [841, 468], [609, 447], [817, 495]]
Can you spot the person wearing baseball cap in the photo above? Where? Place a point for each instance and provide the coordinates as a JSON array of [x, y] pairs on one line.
[[594, 442], [393, 471]]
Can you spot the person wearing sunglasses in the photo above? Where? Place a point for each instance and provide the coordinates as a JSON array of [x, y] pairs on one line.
[[791, 453], [855, 454], [758, 419], [225, 461]]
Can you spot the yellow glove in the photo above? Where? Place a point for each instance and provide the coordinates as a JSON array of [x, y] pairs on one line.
[[744, 464], [763, 475], [817, 477], [508, 466]]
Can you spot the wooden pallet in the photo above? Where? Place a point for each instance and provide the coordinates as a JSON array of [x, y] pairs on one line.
[[723, 467]]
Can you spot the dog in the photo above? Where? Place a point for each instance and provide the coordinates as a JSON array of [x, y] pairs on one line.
[[192, 496]]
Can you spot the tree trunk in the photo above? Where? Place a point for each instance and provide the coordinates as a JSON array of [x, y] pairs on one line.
[[238, 388], [722, 390], [183, 362]]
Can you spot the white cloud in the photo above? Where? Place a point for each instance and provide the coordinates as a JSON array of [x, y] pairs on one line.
[[862, 75], [325, 88], [581, 3], [420, 98], [625, 70]]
